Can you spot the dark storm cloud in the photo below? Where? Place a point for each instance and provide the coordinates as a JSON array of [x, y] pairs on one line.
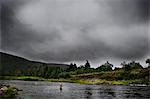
[[140, 47], [144, 6], [16, 36], [77, 55], [76, 30], [139, 10]]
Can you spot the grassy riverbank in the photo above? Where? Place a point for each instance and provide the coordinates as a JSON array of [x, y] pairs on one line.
[[115, 77], [72, 80]]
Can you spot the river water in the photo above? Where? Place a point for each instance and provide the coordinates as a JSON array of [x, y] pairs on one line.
[[51, 90]]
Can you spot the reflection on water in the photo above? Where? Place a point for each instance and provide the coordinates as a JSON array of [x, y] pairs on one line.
[[51, 90], [109, 92]]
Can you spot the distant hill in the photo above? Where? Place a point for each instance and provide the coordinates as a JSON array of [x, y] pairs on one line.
[[10, 62]]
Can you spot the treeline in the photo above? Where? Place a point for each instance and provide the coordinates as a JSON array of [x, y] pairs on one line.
[[40, 71], [126, 67], [131, 70]]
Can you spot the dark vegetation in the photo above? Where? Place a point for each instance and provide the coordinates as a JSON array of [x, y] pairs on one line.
[[16, 66], [8, 91]]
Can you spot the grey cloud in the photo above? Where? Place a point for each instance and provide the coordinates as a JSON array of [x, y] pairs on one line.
[[102, 28]]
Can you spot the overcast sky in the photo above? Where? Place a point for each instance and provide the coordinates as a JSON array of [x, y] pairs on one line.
[[75, 30]]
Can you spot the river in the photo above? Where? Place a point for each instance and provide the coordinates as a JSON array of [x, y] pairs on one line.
[[51, 90]]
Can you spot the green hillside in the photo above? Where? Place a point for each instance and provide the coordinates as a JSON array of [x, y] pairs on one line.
[[10, 63]]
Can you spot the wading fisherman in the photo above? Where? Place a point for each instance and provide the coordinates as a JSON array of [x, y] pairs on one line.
[[61, 86]]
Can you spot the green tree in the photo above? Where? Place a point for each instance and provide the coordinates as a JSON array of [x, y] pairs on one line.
[[148, 62], [135, 65], [72, 67], [123, 63], [126, 70], [87, 64], [105, 67]]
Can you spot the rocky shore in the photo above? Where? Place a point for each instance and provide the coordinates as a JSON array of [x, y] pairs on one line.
[[8, 91]]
